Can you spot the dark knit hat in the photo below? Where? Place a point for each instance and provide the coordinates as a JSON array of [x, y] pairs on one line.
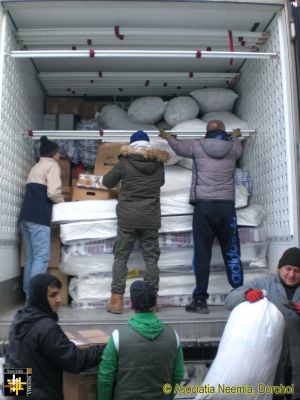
[[47, 147], [290, 257], [139, 135], [142, 296]]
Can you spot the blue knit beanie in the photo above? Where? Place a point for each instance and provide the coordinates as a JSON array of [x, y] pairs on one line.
[[139, 135]]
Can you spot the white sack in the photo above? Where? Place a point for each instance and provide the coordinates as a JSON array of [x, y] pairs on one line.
[[159, 143], [230, 120], [116, 118], [250, 216], [186, 163], [149, 109], [194, 124], [241, 196], [180, 109], [249, 351], [162, 125], [214, 99]]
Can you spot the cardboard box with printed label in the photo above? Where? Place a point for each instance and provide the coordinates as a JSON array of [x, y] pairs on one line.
[[107, 157]]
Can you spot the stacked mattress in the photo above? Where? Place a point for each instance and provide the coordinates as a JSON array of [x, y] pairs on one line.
[[88, 230]]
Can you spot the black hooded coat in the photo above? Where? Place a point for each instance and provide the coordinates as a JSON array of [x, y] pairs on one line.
[[37, 341]]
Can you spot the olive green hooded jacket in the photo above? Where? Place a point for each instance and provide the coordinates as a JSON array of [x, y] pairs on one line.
[[141, 173]]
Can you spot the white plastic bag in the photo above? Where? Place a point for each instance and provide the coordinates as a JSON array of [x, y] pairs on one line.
[[148, 109], [180, 109], [248, 353], [230, 120], [241, 196], [214, 99]]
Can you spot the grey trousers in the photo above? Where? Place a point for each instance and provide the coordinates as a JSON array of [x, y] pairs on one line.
[[148, 240]]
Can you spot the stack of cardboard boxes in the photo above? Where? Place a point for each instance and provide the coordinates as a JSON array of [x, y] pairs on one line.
[[107, 157]]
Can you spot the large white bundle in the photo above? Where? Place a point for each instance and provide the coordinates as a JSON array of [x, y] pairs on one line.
[[180, 109], [250, 216], [248, 352], [230, 120], [159, 143], [214, 99], [116, 118], [162, 125], [177, 178], [194, 124], [149, 109]]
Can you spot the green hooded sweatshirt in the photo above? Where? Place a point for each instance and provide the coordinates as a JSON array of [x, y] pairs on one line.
[[150, 327]]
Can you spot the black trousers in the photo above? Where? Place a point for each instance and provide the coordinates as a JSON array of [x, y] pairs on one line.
[[215, 219]]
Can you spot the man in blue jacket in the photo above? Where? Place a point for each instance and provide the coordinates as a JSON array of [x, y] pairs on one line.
[[142, 356]]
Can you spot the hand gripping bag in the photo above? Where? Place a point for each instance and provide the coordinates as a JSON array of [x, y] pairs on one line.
[[248, 353]]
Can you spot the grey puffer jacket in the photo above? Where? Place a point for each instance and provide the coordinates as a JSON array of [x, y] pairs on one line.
[[141, 172], [214, 162], [291, 343]]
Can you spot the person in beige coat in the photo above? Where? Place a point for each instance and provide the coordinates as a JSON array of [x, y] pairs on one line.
[[43, 188]]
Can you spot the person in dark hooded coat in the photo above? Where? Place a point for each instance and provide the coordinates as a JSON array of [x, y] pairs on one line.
[[37, 341], [212, 193], [141, 172]]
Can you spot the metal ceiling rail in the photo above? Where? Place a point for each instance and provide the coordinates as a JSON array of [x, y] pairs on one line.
[[91, 53], [118, 135], [135, 75], [130, 36]]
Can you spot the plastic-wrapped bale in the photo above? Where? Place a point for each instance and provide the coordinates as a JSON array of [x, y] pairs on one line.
[[230, 120], [117, 118], [87, 149], [214, 99], [180, 109], [191, 125], [149, 109], [248, 353], [242, 177]]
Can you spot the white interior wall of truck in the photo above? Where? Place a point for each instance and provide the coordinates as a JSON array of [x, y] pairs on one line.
[[264, 103]]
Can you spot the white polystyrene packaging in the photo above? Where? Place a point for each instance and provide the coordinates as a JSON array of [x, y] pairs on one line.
[[149, 109], [230, 120], [180, 109], [248, 353], [214, 99], [116, 118]]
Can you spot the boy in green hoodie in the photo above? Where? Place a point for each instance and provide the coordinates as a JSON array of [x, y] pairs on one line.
[[143, 356]]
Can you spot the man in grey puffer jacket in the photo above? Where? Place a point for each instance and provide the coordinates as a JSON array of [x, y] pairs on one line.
[[282, 289], [212, 193]]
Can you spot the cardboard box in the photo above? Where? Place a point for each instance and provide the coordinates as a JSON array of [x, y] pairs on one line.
[[65, 283], [65, 174], [80, 386], [107, 157], [63, 105], [83, 386], [80, 193], [65, 122], [54, 260], [89, 109], [66, 192]]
